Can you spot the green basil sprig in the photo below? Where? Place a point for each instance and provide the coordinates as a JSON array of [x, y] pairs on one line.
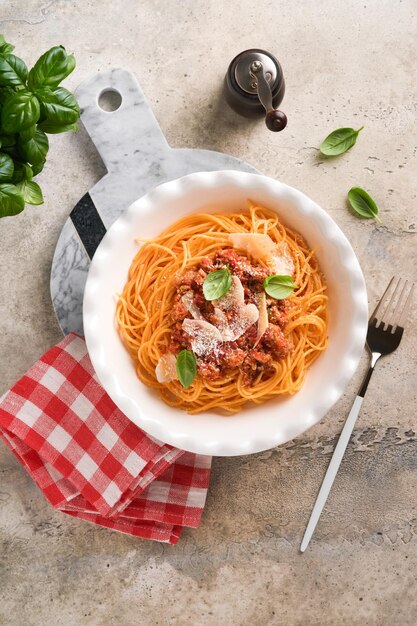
[[32, 103], [186, 367], [217, 284], [339, 141], [279, 287], [362, 204]]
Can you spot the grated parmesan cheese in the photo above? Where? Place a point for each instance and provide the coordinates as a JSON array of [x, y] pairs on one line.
[[234, 298], [205, 337], [244, 318]]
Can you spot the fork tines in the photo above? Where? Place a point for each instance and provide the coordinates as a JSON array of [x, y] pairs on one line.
[[394, 304]]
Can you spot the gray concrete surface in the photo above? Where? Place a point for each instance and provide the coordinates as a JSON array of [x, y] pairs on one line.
[[350, 63]]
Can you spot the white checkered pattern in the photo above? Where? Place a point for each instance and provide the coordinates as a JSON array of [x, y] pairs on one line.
[[86, 466]]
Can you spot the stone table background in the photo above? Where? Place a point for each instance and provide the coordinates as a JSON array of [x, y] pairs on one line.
[[345, 63]]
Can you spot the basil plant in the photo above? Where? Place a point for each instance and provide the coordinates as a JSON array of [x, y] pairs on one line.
[[32, 105]]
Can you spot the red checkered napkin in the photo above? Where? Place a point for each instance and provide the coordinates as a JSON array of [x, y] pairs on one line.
[[90, 460]]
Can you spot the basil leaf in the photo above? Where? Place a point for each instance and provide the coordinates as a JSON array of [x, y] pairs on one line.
[[45, 94], [217, 284], [31, 192], [34, 151], [186, 367], [362, 204], [279, 287], [11, 201], [6, 167], [28, 173], [51, 68], [27, 133], [8, 140], [339, 141], [13, 71], [60, 108], [5, 47], [37, 167], [5, 94], [52, 129], [11, 151], [22, 171], [20, 111]]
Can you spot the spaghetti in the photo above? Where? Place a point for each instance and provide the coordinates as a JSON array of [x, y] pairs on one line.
[[145, 319]]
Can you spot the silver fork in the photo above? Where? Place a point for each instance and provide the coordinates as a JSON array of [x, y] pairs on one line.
[[385, 330]]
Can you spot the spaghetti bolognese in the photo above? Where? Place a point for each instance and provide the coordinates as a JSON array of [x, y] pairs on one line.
[[224, 309]]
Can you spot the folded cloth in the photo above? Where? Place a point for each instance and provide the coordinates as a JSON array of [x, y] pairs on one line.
[[90, 460]]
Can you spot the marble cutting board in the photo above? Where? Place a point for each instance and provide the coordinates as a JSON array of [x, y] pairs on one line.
[[137, 158]]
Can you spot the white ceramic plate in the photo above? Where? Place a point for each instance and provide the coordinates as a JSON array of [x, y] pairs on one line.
[[255, 428]]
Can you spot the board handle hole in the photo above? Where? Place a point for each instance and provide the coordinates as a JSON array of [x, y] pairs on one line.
[[109, 100]]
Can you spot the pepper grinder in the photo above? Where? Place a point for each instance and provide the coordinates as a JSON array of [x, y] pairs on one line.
[[254, 85]]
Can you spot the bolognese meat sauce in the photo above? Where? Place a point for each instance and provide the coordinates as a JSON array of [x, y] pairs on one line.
[[252, 355]]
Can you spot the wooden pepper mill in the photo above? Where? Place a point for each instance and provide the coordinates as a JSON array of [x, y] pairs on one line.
[[254, 86]]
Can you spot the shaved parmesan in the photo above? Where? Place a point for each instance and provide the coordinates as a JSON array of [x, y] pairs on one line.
[[223, 322], [239, 324], [261, 247], [281, 261], [248, 315], [243, 316], [263, 318], [188, 301], [234, 298], [256, 245], [166, 370], [205, 337]]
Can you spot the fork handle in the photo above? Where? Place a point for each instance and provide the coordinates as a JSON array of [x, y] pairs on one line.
[[332, 470], [337, 457]]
